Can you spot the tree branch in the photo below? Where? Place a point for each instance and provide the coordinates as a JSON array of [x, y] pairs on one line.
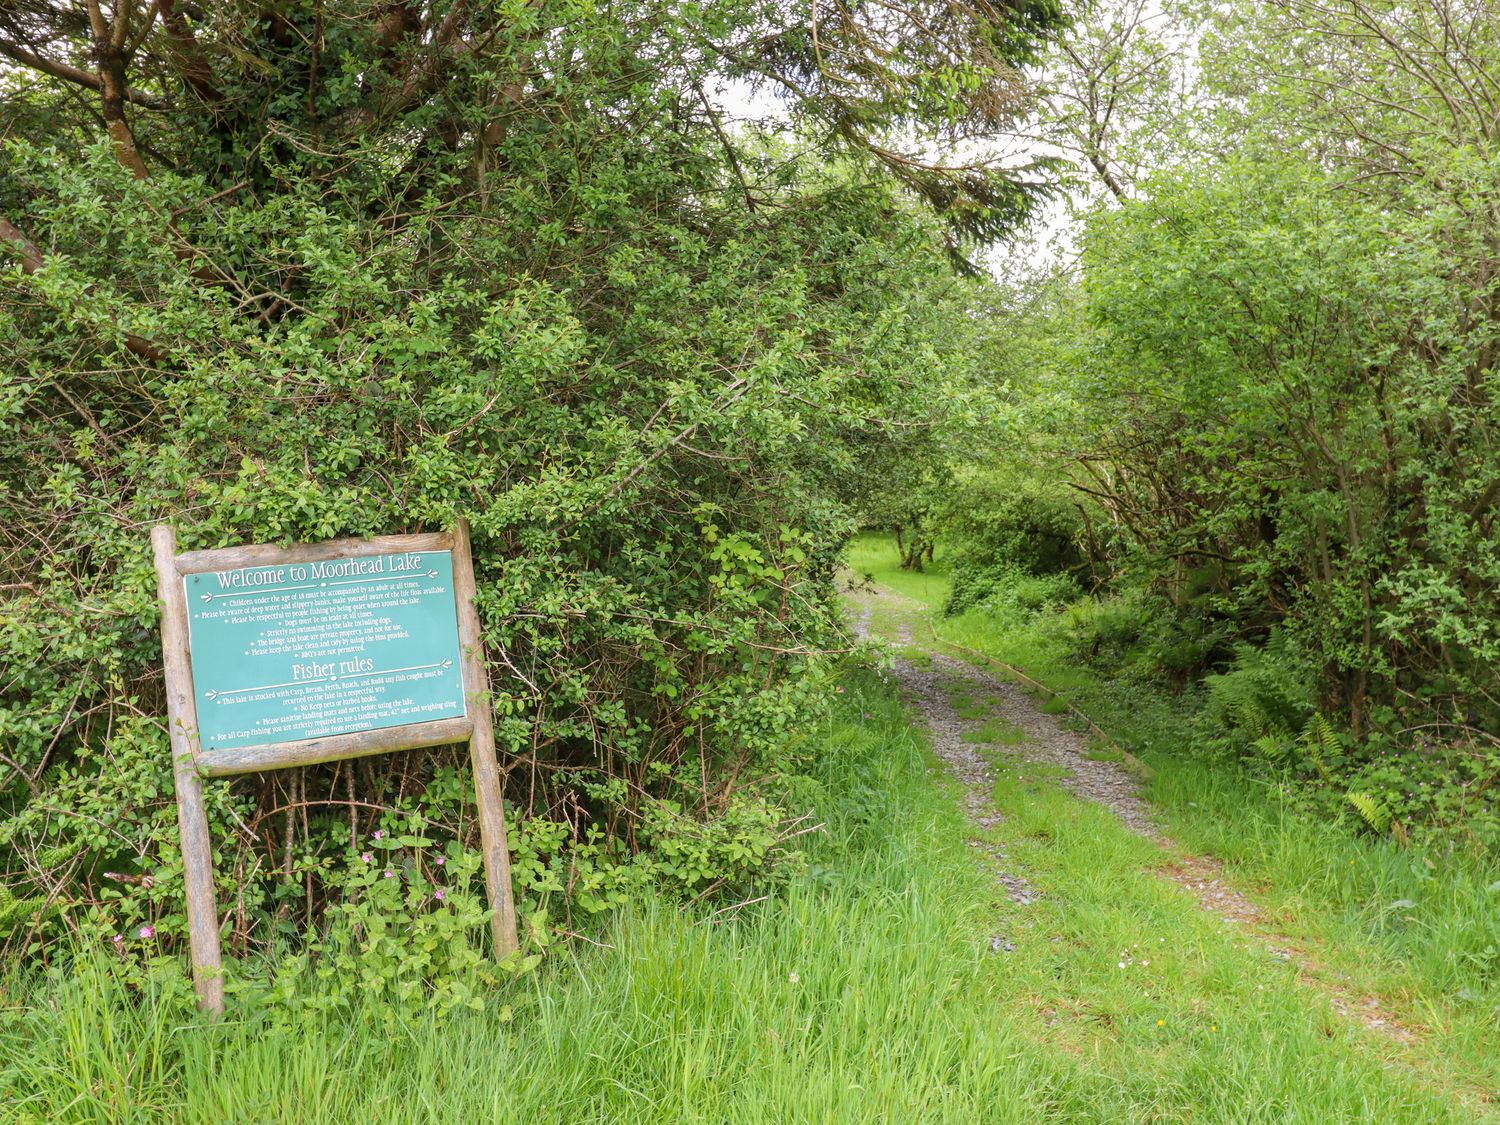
[[55, 69], [32, 260], [109, 41], [191, 65]]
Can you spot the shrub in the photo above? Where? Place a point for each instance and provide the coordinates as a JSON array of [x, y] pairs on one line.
[[1011, 518], [1005, 589], [647, 445]]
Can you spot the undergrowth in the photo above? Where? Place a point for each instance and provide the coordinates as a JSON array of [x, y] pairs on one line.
[[873, 987]]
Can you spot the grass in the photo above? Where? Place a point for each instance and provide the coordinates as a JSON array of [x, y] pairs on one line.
[[1331, 887], [874, 556], [869, 991], [1178, 1017], [859, 994], [993, 732]]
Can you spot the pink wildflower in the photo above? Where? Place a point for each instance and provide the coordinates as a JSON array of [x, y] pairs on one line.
[[366, 857], [438, 895], [118, 940], [380, 833], [440, 860], [147, 933], [389, 874]]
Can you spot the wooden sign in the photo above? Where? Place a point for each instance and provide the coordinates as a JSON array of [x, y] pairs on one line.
[[291, 656], [293, 651]]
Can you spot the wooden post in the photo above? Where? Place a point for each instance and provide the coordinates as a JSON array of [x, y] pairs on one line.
[[191, 764], [488, 794], [192, 818]]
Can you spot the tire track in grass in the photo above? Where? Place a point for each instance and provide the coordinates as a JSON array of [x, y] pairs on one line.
[[933, 679]]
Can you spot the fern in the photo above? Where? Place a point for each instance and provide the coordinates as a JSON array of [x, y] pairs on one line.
[[59, 854], [16, 912], [1265, 692], [1371, 809], [1320, 738], [1274, 746]]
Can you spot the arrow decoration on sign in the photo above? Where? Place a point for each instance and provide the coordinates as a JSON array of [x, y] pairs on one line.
[[266, 687], [314, 586], [214, 695], [263, 590], [394, 671]]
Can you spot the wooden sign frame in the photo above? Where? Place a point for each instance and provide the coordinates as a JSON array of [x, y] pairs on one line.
[[191, 764]]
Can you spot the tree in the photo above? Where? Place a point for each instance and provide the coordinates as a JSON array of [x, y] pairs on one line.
[[291, 272], [1292, 333]]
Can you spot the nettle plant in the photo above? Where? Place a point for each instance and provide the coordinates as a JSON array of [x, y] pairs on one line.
[[366, 271]]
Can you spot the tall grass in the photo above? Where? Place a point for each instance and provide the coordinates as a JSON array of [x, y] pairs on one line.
[[853, 996], [1418, 927], [870, 991]]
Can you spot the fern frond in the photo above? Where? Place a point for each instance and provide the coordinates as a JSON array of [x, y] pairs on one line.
[[1272, 746], [1372, 809]]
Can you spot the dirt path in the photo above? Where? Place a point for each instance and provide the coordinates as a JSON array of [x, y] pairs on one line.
[[935, 679]]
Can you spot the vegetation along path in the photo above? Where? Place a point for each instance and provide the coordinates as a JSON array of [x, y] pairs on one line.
[[1047, 803]]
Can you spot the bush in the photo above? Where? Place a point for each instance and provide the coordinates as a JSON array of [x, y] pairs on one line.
[[1005, 589], [647, 442], [1011, 518]]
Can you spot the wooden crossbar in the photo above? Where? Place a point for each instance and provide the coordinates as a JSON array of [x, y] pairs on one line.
[[191, 764], [334, 748]]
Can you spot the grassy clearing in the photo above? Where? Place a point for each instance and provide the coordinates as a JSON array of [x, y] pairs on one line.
[[874, 557], [1420, 930]]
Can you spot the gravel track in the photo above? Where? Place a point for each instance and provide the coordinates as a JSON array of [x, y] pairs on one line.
[[930, 684]]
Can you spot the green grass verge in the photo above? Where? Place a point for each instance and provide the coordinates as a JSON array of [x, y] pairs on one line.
[[870, 991], [1419, 928]]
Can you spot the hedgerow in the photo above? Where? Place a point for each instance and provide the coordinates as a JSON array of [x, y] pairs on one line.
[[339, 273]]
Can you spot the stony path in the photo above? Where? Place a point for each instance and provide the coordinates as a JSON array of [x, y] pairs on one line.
[[931, 685]]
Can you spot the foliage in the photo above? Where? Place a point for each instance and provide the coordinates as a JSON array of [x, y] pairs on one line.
[[901, 492], [1338, 495], [1349, 490], [1008, 513], [1271, 383], [1007, 590], [1263, 698], [345, 272], [693, 1015], [398, 939]]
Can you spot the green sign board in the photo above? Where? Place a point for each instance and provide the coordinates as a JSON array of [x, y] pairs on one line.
[[293, 651]]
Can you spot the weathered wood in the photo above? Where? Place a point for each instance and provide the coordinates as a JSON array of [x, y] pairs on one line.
[[191, 764], [488, 793], [192, 818], [265, 554], [334, 748]]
